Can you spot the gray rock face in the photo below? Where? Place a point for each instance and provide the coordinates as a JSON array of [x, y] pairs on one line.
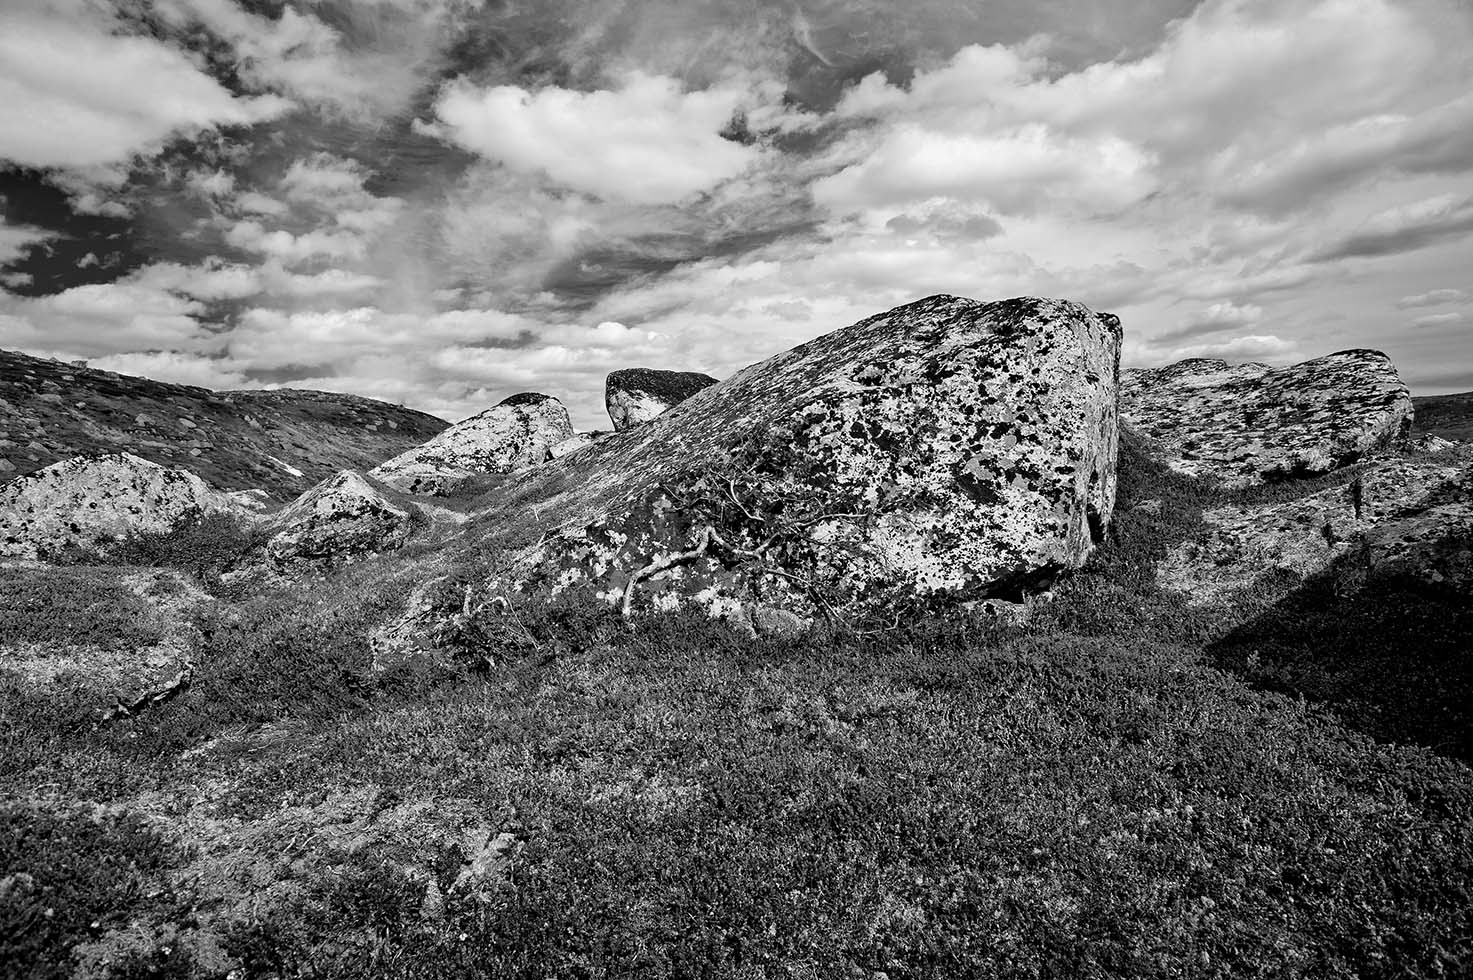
[[578, 441], [946, 448], [1247, 424], [341, 518], [1408, 516], [87, 500], [518, 432], [636, 395]]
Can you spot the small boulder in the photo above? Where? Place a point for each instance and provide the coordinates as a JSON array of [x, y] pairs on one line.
[[1248, 424], [342, 517], [636, 395], [85, 501], [519, 432]]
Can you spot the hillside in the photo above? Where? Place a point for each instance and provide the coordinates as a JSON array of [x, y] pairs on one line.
[[280, 441], [1448, 416]]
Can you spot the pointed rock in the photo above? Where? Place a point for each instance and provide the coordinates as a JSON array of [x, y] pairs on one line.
[[343, 517], [517, 433]]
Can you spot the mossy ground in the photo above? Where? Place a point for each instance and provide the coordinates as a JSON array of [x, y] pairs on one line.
[[1127, 787]]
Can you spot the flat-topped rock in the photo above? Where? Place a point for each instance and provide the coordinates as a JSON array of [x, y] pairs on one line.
[[343, 517], [86, 501], [948, 448], [518, 432], [635, 395], [1248, 424]]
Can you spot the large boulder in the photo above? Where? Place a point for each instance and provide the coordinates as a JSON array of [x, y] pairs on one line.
[[518, 432], [636, 395], [1411, 517], [343, 517], [87, 501], [1247, 424], [947, 448]]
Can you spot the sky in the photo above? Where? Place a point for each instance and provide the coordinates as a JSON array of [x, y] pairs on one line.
[[441, 203]]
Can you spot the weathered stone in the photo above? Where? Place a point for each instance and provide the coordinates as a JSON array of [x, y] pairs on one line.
[[947, 448], [636, 395], [1412, 516], [85, 501], [343, 517], [1247, 424], [518, 432], [578, 441]]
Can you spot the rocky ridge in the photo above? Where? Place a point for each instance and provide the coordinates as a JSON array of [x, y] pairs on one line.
[[282, 441]]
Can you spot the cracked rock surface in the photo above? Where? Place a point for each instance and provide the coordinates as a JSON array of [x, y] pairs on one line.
[[81, 501], [636, 395], [1248, 424], [948, 446], [521, 431]]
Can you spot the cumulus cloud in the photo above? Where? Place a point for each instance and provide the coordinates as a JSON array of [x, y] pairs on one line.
[[175, 367], [289, 249], [98, 319], [16, 240], [647, 142], [74, 95], [1249, 348]]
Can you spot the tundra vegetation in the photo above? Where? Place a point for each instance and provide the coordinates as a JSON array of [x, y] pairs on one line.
[[1125, 786]]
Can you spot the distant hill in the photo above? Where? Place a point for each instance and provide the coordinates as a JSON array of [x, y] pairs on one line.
[[280, 441], [1449, 416]]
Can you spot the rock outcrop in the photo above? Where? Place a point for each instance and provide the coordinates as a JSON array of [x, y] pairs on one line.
[[1397, 515], [946, 448], [577, 441], [518, 432], [636, 395], [86, 501], [341, 518], [1248, 424]]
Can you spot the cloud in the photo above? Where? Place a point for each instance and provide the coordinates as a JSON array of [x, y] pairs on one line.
[[174, 367], [1437, 297], [369, 69], [648, 142], [1217, 318], [1016, 171], [100, 319], [1407, 228], [1438, 320], [16, 240], [289, 249], [74, 95], [1247, 348]]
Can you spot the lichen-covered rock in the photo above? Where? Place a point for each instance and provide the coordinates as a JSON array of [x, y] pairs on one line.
[[518, 432], [636, 395], [343, 517], [947, 448], [86, 501], [576, 442], [1410, 516], [1248, 424]]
